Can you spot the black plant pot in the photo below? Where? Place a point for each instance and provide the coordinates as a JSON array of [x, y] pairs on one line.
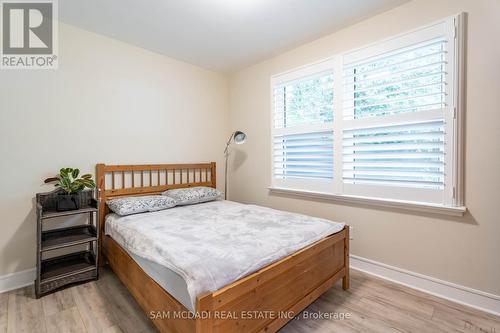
[[67, 202]]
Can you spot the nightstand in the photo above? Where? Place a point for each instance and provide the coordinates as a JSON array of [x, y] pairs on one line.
[[54, 272]]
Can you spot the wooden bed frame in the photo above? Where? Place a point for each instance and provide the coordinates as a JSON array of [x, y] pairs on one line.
[[261, 302]]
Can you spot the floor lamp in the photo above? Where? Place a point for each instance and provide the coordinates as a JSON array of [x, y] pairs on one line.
[[237, 137]]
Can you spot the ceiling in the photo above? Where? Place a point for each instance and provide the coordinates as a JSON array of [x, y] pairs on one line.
[[222, 35]]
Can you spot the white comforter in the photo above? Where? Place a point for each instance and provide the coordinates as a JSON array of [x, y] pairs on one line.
[[213, 244]]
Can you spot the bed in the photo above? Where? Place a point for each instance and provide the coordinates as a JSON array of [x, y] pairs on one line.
[[262, 297]]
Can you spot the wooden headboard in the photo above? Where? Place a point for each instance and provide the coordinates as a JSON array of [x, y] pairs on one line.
[[148, 179]]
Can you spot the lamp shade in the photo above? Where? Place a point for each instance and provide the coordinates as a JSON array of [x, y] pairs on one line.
[[239, 137]]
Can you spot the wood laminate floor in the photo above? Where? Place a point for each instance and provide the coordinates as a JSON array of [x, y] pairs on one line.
[[371, 305]]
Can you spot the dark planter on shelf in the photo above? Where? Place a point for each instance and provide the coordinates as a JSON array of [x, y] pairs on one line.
[[67, 202]]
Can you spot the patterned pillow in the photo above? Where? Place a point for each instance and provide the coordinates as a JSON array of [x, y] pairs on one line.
[[193, 195], [141, 204]]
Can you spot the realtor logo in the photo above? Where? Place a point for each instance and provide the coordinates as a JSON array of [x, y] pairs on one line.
[[29, 34]]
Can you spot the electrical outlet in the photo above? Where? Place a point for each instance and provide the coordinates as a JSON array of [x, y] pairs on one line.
[[351, 232]]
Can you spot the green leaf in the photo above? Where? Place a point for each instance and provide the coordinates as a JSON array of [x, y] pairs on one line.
[[63, 172], [75, 173], [89, 183], [66, 184], [87, 176], [51, 179]]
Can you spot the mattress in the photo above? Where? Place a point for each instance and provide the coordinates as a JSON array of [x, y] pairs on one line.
[[211, 245], [169, 280]]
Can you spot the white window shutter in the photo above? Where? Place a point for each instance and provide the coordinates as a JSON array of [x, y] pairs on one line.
[[409, 155], [410, 79], [302, 135], [306, 156]]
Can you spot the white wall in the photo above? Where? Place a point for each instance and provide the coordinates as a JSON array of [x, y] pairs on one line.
[[108, 102], [462, 250]]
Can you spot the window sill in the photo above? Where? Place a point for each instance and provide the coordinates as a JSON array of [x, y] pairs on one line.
[[398, 204]]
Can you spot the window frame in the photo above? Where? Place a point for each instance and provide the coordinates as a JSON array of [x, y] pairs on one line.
[[452, 203]]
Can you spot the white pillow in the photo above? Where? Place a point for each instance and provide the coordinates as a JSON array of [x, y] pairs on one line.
[[193, 195], [133, 205]]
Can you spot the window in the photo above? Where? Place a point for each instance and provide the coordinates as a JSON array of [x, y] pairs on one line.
[[302, 146], [379, 122]]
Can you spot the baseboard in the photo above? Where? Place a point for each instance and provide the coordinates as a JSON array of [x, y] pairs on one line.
[[17, 280], [456, 293]]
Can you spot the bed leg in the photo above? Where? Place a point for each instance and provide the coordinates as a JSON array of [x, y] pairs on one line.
[[345, 282], [345, 279]]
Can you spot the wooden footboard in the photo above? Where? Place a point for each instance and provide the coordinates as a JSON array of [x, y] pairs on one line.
[[261, 302], [269, 298]]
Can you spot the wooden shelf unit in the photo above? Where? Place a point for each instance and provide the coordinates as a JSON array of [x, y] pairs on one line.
[[56, 272]]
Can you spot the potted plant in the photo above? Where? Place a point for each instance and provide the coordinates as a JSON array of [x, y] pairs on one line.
[[71, 186]]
